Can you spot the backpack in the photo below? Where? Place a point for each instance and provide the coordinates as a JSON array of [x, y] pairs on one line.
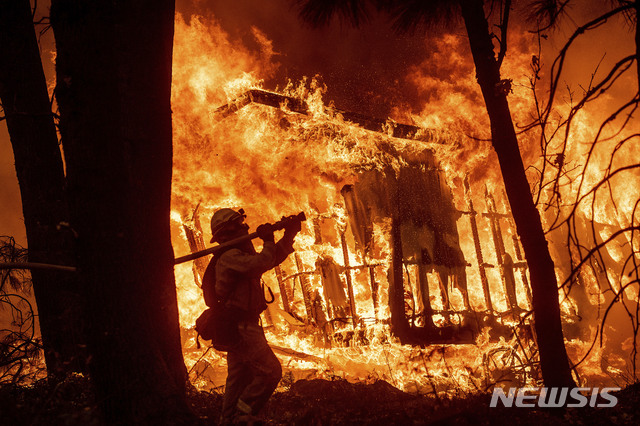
[[218, 323]]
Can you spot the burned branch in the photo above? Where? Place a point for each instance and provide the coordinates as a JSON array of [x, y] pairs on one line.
[[20, 348], [590, 237]]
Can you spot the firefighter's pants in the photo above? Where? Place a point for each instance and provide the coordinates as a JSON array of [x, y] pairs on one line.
[[253, 373]]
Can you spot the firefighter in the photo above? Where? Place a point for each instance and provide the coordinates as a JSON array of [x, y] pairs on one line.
[[253, 371]]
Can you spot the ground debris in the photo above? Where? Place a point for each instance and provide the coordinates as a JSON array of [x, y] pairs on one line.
[[318, 402], [69, 402]]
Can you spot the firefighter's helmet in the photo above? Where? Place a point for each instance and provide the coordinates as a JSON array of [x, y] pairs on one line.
[[222, 218]]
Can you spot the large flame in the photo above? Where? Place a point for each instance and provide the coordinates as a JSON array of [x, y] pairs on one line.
[[274, 161]]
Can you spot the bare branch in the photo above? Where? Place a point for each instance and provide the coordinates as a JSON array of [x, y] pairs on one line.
[[33, 265], [558, 63]]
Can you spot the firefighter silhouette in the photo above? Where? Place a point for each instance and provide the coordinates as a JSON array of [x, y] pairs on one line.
[[233, 277]]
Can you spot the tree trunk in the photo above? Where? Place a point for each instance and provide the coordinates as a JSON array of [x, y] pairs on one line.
[[114, 85], [637, 13], [546, 309], [23, 92]]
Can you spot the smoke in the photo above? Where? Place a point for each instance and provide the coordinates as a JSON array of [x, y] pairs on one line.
[[11, 222], [363, 68]]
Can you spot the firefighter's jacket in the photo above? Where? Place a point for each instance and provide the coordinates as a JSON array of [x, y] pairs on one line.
[[237, 273]]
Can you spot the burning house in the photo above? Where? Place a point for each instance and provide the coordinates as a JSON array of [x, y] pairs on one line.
[[383, 255], [416, 204], [409, 267]]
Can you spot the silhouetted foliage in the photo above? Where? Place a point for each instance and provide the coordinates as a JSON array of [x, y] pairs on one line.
[[20, 349], [588, 236]]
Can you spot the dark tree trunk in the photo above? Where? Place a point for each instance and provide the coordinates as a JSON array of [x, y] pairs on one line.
[[114, 85], [23, 92], [546, 309], [637, 13]]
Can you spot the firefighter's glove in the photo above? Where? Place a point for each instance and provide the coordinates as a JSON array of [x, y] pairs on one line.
[[265, 232], [292, 228], [295, 225]]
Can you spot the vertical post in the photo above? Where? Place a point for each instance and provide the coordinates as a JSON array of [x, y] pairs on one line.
[[347, 273], [372, 282], [478, 248], [519, 256], [196, 243], [317, 230], [443, 282], [374, 290], [496, 232], [423, 287], [330, 308], [304, 285], [283, 290], [510, 281], [399, 324], [200, 263]]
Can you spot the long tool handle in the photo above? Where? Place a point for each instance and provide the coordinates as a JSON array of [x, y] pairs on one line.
[[281, 224]]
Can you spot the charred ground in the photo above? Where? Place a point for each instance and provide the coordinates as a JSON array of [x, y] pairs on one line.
[[318, 402]]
